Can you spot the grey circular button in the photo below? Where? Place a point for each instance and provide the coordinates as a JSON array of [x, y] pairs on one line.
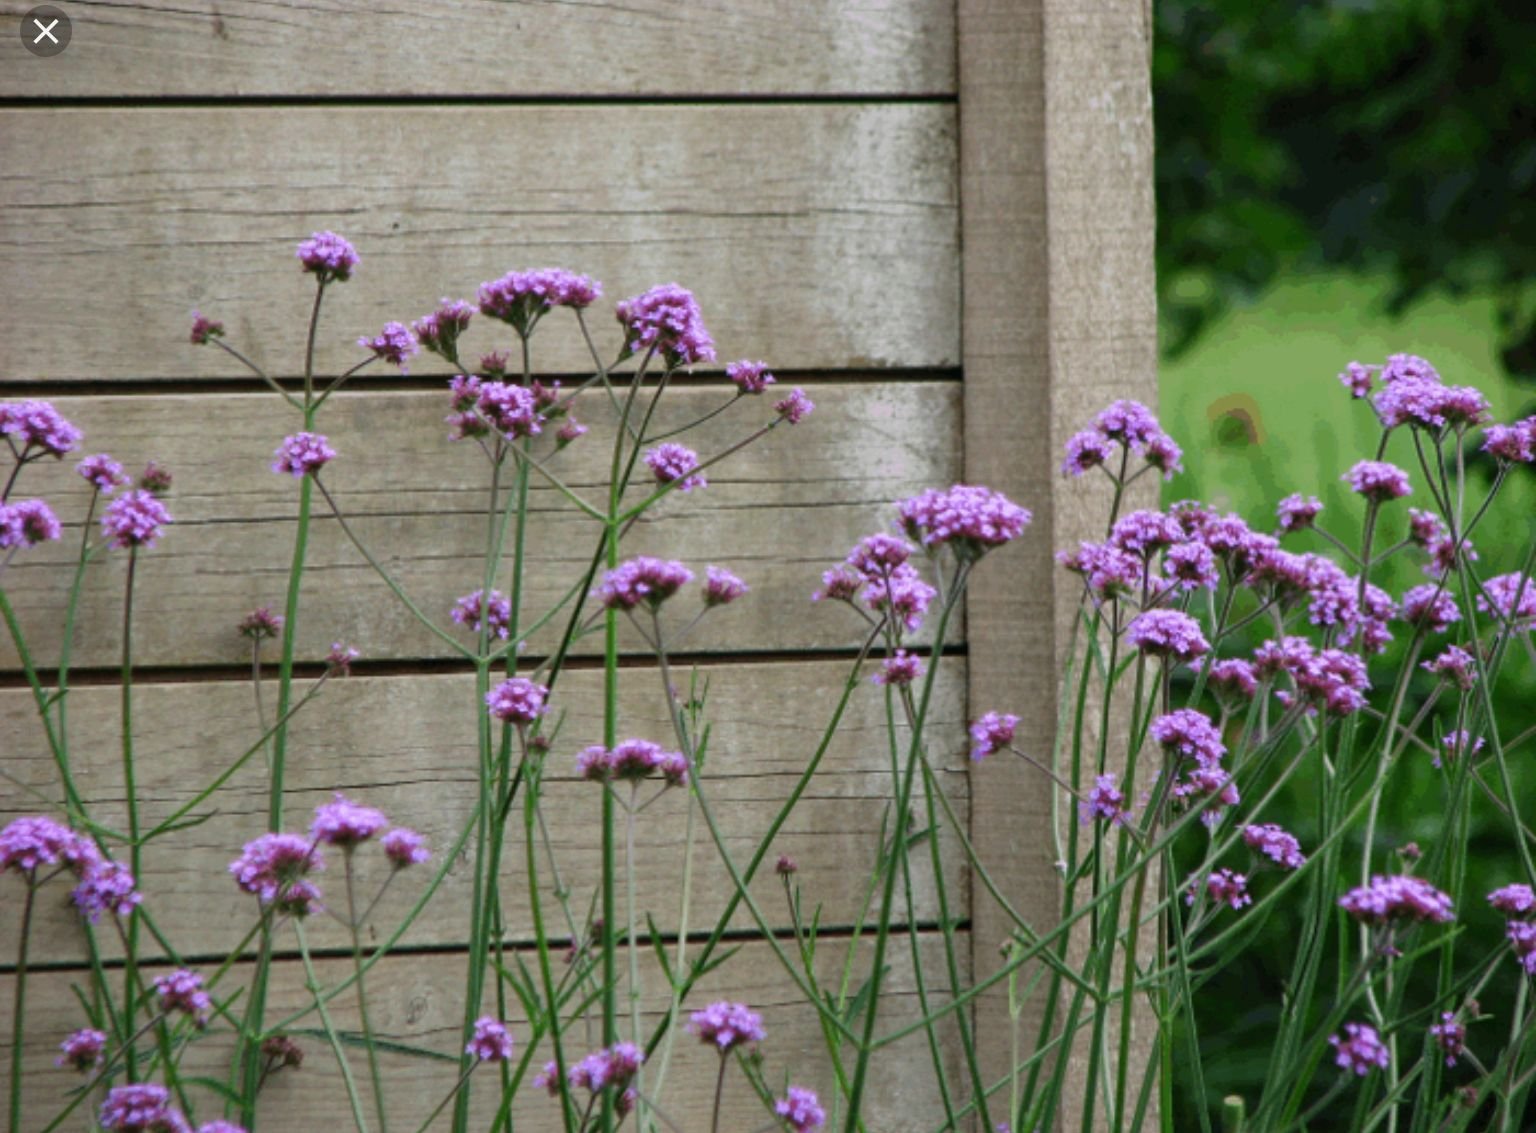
[[45, 31]]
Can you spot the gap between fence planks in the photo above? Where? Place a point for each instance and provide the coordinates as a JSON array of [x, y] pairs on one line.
[[777, 513], [816, 236], [475, 48], [416, 1000], [408, 746]]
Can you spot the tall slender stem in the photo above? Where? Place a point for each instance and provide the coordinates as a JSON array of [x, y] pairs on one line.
[[19, 1003], [362, 993], [131, 800]]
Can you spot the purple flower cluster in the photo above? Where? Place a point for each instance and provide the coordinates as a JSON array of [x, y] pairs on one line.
[[794, 406], [340, 658], [1225, 888], [721, 587], [631, 761], [1400, 897], [727, 1025], [642, 580], [616, 1066], [32, 425], [491, 1041], [302, 454], [1512, 597], [750, 377], [517, 700], [1297, 512], [1378, 481], [1276, 844], [667, 319], [675, 463], [329, 256], [1103, 803], [992, 732], [439, 332], [1328, 678], [521, 298], [275, 863], [1516, 900], [260, 622], [345, 824], [31, 842], [1432, 606], [1361, 1050], [468, 611], [1450, 1036], [971, 518], [141, 1108], [135, 519], [509, 409], [404, 847], [1515, 443], [204, 328], [1130, 425], [395, 344], [82, 1050], [1234, 677], [27, 523], [899, 669], [800, 1109], [102, 473], [1189, 733], [1107, 571], [1167, 633], [105, 887], [182, 991]]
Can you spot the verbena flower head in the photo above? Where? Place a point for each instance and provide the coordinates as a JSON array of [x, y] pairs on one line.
[[1408, 366], [339, 660], [569, 431], [1512, 596], [1087, 449], [800, 1109], [517, 701], [1191, 566], [470, 609], [395, 344], [1397, 898], [1360, 1050], [328, 256], [1104, 803], [1107, 571], [1359, 378], [721, 587], [794, 406], [27, 523], [204, 328], [1235, 677], [1428, 403], [155, 480], [508, 409], [102, 473], [1516, 900], [1455, 664], [672, 462], [106, 887], [1515, 443], [901, 668], [1425, 528], [1189, 732], [1432, 606], [1522, 937], [1450, 1036], [141, 1108], [631, 761], [1167, 633], [642, 580], [31, 842], [903, 592], [273, 861], [182, 991], [302, 454], [404, 847], [968, 517], [992, 732], [344, 823], [615, 1067], [491, 1041], [727, 1025], [134, 519], [1225, 888], [1144, 533], [668, 319], [82, 1050], [522, 298], [38, 425], [1297, 512], [1126, 423], [750, 377], [1378, 481], [439, 332], [259, 623], [300, 899], [1276, 844], [876, 555], [1458, 743]]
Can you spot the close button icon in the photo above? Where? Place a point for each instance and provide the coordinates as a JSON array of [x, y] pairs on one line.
[[45, 31]]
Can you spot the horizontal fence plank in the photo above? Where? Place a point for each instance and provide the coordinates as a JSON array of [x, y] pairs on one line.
[[417, 1000], [815, 235], [777, 513], [472, 48], [407, 745]]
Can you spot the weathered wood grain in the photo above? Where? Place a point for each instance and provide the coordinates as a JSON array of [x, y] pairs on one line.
[[461, 48], [417, 1000], [815, 235], [407, 745], [778, 513]]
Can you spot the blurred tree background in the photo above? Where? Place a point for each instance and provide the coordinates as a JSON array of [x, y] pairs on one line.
[[1340, 180]]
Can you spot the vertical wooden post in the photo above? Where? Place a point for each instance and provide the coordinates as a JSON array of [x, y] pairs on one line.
[[1059, 319]]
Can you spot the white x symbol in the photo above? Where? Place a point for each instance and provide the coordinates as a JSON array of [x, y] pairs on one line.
[[48, 31]]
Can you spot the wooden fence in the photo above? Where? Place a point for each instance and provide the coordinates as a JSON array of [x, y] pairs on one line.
[[936, 217]]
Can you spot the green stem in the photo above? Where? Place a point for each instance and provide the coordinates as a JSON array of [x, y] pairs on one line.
[[362, 993], [19, 1005], [131, 800], [314, 987]]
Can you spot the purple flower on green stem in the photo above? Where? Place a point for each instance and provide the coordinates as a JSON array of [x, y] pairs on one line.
[[395, 344], [1432, 606], [1516, 900], [721, 587], [517, 701], [750, 377], [1276, 844], [1512, 596], [404, 847], [105, 887], [800, 1109], [727, 1025], [904, 593], [300, 899], [991, 733], [1167, 633], [342, 822], [522, 298], [302, 454], [1410, 367], [1189, 732], [1192, 566], [794, 406], [642, 580], [28, 523], [491, 1041], [1361, 1050], [1297, 512], [1105, 802], [260, 622], [1087, 449], [182, 991], [1458, 743], [82, 1050], [38, 425], [102, 473], [876, 555], [204, 328], [1127, 423], [1425, 528], [900, 669], [1429, 404], [1450, 1036], [272, 862], [569, 431], [666, 318], [155, 480], [1454, 664], [1397, 898], [1225, 888], [339, 659], [1522, 937], [969, 517], [1144, 533], [510, 409], [1515, 443], [1235, 677], [32, 841], [439, 332], [1378, 481], [328, 256], [143, 1107], [1359, 378], [470, 609], [135, 519], [675, 463], [1107, 571]]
